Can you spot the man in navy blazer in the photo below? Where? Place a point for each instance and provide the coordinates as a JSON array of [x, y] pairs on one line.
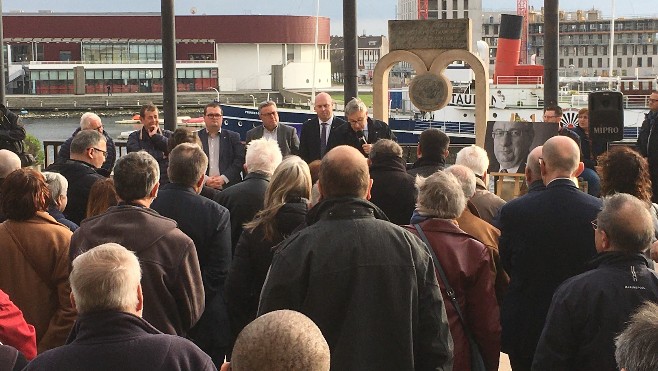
[[224, 149], [310, 145], [546, 238], [362, 131], [285, 135]]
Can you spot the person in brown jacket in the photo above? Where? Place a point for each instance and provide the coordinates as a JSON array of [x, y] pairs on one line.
[[34, 268], [171, 275]]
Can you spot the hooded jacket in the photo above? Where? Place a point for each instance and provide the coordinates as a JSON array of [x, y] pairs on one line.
[[171, 278]]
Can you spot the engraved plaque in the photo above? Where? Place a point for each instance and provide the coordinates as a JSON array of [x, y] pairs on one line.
[[429, 34], [429, 92]]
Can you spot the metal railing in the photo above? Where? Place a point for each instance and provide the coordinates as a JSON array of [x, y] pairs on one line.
[[51, 147]]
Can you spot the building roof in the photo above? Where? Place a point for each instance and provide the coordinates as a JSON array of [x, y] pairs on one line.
[[364, 42], [226, 29]]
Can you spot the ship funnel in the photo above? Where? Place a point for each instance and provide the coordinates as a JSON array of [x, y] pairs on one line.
[[509, 45], [507, 69]]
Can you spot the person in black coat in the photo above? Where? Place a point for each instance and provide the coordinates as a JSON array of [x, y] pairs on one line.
[[286, 203], [432, 151], [246, 198], [311, 147], [589, 310], [362, 131], [151, 138], [546, 238], [393, 190], [88, 151], [91, 121], [647, 141], [368, 284], [208, 225], [110, 333]]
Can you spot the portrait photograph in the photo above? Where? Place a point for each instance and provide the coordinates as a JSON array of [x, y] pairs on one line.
[[508, 143]]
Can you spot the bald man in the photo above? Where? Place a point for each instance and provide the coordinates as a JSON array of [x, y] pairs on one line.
[[368, 284], [546, 238], [533, 171], [317, 130]]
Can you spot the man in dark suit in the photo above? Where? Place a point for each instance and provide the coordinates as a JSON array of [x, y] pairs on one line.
[[362, 131], [546, 238], [285, 135], [511, 144], [224, 150], [209, 226], [245, 199], [317, 131]]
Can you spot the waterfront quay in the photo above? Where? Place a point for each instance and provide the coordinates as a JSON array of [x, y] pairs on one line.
[[43, 104]]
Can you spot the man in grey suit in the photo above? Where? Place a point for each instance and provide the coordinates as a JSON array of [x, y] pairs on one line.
[[285, 135]]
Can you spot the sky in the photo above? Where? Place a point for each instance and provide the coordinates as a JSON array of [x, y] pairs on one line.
[[371, 14]]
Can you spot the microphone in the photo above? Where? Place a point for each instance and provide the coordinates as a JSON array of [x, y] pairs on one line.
[[361, 137]]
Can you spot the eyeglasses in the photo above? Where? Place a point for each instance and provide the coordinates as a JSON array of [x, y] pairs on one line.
[[268, 113], [100, 150], [514, 133], [595, 224], [358, 120], [214, 115]]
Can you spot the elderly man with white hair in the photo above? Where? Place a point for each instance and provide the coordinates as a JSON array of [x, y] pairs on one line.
[[91, 121], [466, 263], [476, 159], [246, 198], [110, 333]]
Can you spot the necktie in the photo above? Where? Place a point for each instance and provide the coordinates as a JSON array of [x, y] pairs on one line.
[[323, 139], [504, 171]]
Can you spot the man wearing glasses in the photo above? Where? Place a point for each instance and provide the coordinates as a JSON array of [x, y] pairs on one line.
[[362, 131], [223, 147], [512, 142], [647, 142], [88, 153], [285, 135], [91, 121]]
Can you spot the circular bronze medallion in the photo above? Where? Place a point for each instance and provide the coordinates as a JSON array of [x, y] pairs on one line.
[[429, 92]]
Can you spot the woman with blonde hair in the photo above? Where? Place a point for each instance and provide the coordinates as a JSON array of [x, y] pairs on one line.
[[285, 207]]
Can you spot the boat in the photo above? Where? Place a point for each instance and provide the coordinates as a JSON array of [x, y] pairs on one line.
[[516, 93]]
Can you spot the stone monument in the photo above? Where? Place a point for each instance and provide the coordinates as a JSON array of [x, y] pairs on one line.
[[429, 46]]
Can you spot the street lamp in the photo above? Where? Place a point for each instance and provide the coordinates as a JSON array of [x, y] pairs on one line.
[[253, 99], [216, 91]]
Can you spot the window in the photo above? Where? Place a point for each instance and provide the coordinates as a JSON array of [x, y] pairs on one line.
[[65, 55], [599, 62], [589, 63], [639, 62], [629, 62], [649, 61]]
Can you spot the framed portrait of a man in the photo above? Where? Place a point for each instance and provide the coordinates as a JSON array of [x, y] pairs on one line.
[[508, 143]]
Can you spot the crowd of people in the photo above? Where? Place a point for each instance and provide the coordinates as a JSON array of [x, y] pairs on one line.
[[195, 251]]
